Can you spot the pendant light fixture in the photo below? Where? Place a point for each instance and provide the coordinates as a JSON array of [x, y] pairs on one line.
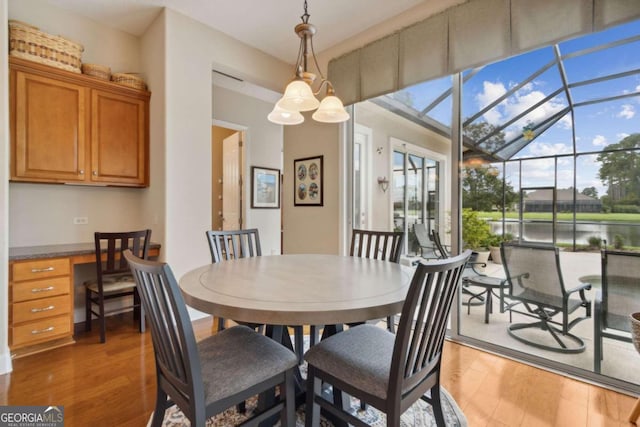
[[299, 95]]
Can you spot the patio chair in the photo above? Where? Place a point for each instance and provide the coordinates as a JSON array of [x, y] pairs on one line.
[[389, 371], [617, 299], [535, 280], [205, 378]]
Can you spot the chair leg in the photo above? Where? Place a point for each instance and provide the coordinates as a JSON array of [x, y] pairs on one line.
[[287, 393], [391, 324], [635, 413], [314, 336], [220, 324], [87, 307], [158, 413], [312, 416], [103, 323], [436, 404]]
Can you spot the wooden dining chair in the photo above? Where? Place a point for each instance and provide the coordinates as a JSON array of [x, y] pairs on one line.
[[389, 371], [382, 245], [207, 377], [233, 244], [113, 278]]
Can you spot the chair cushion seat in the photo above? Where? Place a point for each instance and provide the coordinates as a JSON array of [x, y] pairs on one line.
[[360, 356], [112, 284], [237, 358]]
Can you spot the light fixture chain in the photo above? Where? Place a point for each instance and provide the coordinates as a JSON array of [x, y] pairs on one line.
[[306, 16]]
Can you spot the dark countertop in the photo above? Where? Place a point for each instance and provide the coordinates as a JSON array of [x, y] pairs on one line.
[[57, 251]]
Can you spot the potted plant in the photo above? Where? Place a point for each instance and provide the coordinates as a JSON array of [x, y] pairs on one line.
[[493, 242], [475, 234]]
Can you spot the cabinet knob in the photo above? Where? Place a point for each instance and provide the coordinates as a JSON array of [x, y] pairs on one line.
[[81, 171], [95, 173]]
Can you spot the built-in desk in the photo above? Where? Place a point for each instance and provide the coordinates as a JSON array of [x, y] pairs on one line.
[[41, 294]]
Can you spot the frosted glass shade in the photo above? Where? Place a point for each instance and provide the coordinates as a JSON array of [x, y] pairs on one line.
[[298, 96], [331, 110], [281, 116]]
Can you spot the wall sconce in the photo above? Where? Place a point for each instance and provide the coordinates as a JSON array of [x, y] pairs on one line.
[[383, 182]]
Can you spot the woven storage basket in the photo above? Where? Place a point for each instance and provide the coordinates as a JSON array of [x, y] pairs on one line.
[[129, 79], [95, 70], [28, 42]]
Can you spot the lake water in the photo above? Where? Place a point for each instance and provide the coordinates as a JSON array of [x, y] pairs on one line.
[[542, 232]]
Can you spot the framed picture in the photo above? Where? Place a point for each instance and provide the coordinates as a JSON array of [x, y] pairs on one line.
[[308, 181], [265, 188]]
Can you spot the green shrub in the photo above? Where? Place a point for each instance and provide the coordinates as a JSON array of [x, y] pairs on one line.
[[475, 230], [595, 242], [618, 241], [625, 209]]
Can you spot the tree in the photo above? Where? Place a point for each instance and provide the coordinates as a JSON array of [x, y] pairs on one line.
[[620, 171], [482, 190], [590, 192], [477, 131]]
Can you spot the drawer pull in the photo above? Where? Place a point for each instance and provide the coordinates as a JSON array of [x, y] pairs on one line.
[[42, 331], [48, 288], [42, 270], [39, 310]]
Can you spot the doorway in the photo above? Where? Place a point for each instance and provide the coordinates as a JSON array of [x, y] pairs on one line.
[[227, 166]]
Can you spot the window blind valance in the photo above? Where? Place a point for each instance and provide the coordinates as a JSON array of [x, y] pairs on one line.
[[465, 36]]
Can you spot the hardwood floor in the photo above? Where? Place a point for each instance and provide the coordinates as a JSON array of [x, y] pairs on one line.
[[113, 384]]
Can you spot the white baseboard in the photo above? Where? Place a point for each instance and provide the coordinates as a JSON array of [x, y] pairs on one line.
[[5, 361]]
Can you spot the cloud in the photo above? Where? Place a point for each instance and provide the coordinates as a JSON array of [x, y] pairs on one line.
[[621, 136], [542, 149], [599, 141], [522, 100], [627, 111]]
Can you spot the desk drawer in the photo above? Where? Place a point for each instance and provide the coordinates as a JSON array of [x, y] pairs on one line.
[[41, 330], [36, 289], [38, 309], [39, 269]]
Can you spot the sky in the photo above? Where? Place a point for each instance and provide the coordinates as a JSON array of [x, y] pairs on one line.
[[596, 125]]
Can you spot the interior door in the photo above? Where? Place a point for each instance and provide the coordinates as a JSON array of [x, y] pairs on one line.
[[232, 182]]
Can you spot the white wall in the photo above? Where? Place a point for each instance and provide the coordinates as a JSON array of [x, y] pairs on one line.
[[192, 50], [385, 126], [42, 214], [5, 357], [263, 147]]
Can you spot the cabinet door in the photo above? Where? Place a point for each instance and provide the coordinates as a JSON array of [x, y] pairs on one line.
[[50, 132], [118, 138]]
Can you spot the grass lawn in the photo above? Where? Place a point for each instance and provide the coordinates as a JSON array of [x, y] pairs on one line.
[[564, 216]]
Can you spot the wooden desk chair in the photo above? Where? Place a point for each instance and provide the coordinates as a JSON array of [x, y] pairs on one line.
[[389, 371], [221, 371], [113, 278]]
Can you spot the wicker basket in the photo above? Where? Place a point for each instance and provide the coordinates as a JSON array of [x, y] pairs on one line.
[[28, 42], [95, 70], [129, 79]]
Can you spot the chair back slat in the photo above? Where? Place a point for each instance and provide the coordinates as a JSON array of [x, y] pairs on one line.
[[112, 245], [232, 244], [383, 245], [620, 288], [174, 343], [423, 322]]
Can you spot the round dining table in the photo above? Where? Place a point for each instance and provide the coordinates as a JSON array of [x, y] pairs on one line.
[[303, 289]]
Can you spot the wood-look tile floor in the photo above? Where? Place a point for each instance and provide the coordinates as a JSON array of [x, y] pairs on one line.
[[113, 384]]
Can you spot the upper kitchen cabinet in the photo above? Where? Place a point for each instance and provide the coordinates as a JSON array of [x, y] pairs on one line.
[[71, 128]]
